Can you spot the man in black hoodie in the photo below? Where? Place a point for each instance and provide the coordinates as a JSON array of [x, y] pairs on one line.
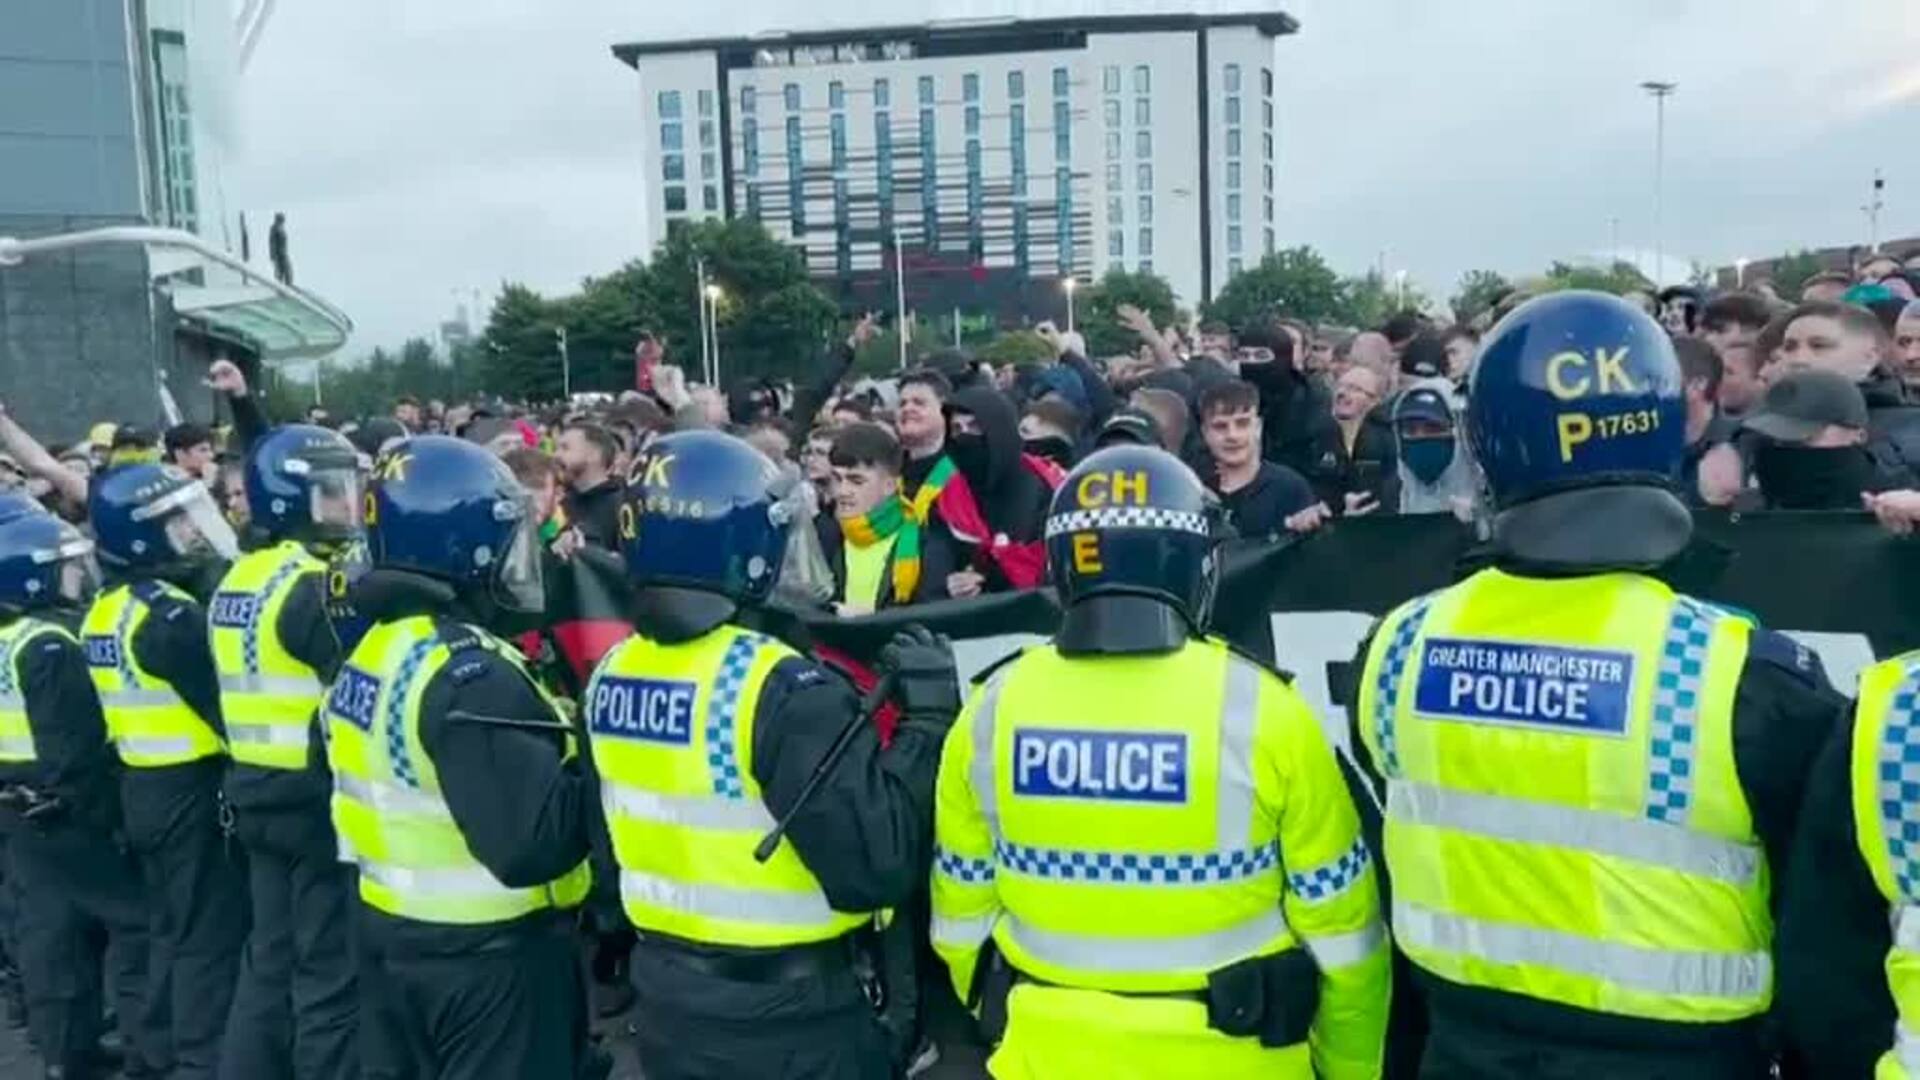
[[983, 439]]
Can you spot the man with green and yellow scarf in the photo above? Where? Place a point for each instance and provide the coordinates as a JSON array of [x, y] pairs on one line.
[[889, 550]]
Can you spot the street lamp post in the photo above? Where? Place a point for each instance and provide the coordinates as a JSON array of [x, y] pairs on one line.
[[1740, 273], [900, 329], [700, 308], [566, 363], [1070, 285], [713, 328], [1660, 91]]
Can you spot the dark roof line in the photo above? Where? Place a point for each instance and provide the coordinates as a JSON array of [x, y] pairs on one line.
[[1276, 23]]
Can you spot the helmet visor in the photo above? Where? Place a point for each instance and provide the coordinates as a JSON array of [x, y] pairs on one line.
[[335, 502], [519, 583], [78, 577], [194, 524]]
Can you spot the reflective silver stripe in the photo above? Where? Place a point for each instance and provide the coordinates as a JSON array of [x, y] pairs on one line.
[[16, 747], [1345, 950], [286, 735], [1654, 971], [140, 699], [689, 811], [962, 933], [289, 685], [441, 881], [981, 773], [1906, 1047], [1906, 938], [1239, 715], [154, 746], [1136, 955], [763, 906], [1500, 817], [1906, 928], [10, 701], [380, 796]]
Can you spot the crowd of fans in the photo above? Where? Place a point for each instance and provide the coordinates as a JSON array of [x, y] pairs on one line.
[[934, 484]]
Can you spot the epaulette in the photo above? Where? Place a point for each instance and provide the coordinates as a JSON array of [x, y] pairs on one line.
[[1262, 663], [980, 677], [1781, 652]]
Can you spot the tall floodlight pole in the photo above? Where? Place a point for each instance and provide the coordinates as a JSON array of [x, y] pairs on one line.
[[713, 328], [700, 307], [1873, 208], [900, 294], [1660, 91], [1070, 285]]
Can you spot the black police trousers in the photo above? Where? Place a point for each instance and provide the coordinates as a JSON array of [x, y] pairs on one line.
[[693, 1025], [78, 888], [197, 892], [511, 1009], [294, 1009]]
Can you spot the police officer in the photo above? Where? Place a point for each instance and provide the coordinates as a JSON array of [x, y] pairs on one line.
[[60, 791], [294, 1009], [456, 790], [161, 534], [703, 731], [1113, 813], [1589, 780]]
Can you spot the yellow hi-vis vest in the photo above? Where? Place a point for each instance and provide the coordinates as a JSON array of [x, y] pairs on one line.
[[388, 810], [150, 723], [267, 697], [670, 728], [16, 734], [1886, 816], [1564, 819]]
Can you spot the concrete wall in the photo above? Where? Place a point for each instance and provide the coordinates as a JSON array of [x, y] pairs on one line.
[[78, 341]]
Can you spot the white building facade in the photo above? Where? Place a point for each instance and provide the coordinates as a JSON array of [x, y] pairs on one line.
[[1004, 154]]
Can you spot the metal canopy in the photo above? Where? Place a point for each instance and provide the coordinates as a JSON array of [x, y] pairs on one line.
[[283, 322]]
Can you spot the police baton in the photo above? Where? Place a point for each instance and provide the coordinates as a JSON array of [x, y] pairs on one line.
[[869, 704]]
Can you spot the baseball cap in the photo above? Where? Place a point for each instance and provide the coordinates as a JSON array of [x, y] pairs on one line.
[[1801, 403], [100, 436], [1128, 426]]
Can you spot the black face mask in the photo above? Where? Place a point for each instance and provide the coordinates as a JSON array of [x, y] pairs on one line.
[[969, 452], [1806, 478], [1053, 448]]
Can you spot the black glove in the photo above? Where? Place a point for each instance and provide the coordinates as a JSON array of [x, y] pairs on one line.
[[925, 681]]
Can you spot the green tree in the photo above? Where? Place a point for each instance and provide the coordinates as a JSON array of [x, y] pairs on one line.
[[880, 356], [523, 358], [1097, 309], [1619, 279], [604, 321], [1790, 274], [1371, 301], [1017, 347], [771, 319], [1294, 282], [1476, 294]]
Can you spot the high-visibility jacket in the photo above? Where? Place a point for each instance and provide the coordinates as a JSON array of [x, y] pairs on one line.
[[388, 809], [16, 734], [1131, 824], [670, 728], [1564, 820], [267, 697], [150, 723], [1886, 815]]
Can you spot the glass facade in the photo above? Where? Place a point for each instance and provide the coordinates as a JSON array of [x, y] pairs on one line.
[[796, 194], [836, 95], [669, 104], [1062, 130], [1142, 80], [173, 99], [1146, 242], [1143, 111], [1143, 144], [1016, 85], [1110, 79], [1059, 82], [792, 94], [748, 100], [882, 94], [926, 89], [1146, 209], [706, 103], [970, 87]]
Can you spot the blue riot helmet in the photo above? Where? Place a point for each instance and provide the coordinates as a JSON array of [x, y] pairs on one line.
[[1577, 419], [156, 519], [303, 483], [44, 563], [1132, 539], [704, 530], [15, 503], [447, 509]]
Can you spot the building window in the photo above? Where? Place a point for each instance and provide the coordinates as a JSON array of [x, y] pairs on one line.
[[1233, 176], [1233, 142], [1113, 146], [836, 95], [710, 198], [1266, 114], [1233, 239], [669, 104], [1062, 130], [882, 94], [753, 201], [706, 103], [883, 149], [1116, 244], [837, 132], [1110, 79], [1116, 212], [926, 89], [673, 167], [1269, 241], [676, 197], [840, 202], [1146, 242], [1267, 145], [1059, 82], [1266, 209], [1143, 111], [1143, 178], [926, 132], [1112, 110], [1143, 144], [970, 87], [1017, 145], [706, 133], [747, 100], [1232, 79], [1233, 110], [1142, 80], [709, 165], [175, 106], [1113, 176], [1269, 178], [1146, 209], [1146, 266], [750, 145], [1233, 268], [1016, 85], [1233, 208], [669, 136], [1266, 81], [793, 97]]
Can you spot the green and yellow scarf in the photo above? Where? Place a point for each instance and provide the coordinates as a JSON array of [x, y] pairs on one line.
[[897, 517]]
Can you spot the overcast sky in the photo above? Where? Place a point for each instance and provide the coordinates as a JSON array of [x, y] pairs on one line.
[[426, 149]]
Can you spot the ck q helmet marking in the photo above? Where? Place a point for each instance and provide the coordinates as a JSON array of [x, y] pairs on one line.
[[447, 509], [707, 512], [303, 483], [1135, 521]]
